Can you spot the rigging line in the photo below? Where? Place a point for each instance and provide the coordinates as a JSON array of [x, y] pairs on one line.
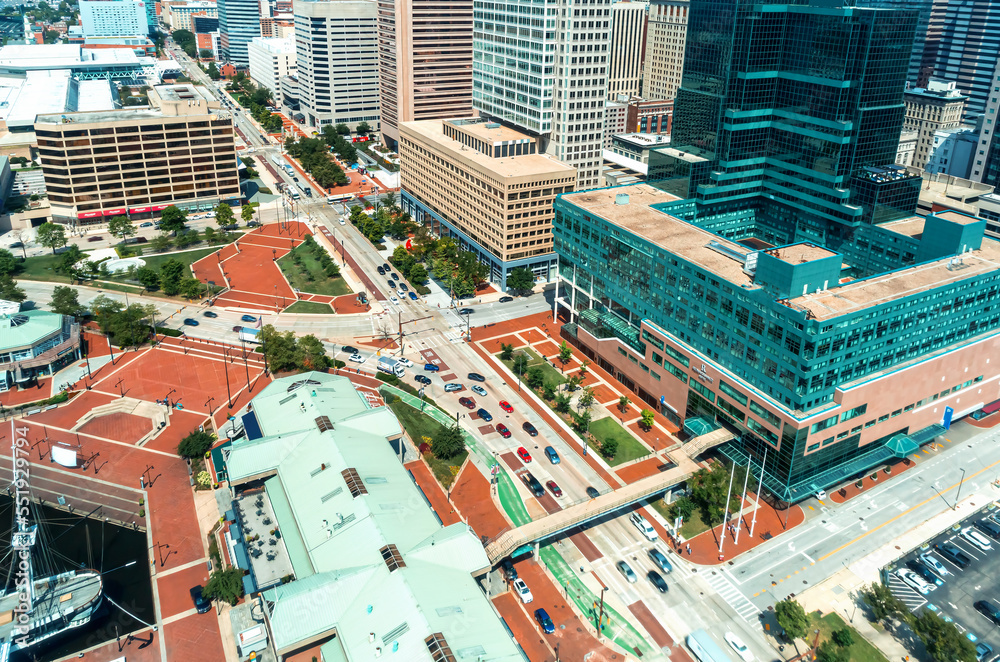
[[82, 519], [108, 598]]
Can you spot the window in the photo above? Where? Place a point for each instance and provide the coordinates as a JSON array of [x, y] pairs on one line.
[[393, 559], [896, 413], [869, 423], [652, 340], [769, 417], [824, 424], [439, 649], [731, 409], [323, 423], [675, 371], [860, 410], [732, 393], [703, 390], [354, 483], [680, 358]]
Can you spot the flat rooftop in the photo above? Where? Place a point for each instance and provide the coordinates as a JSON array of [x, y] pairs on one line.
[[801, 253], [679, 237], [509, 166], [909, 227], [490, 132], [182, 92]]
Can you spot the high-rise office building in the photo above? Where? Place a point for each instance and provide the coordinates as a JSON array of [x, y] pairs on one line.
[[113, 18], [542, 67], [239, 23], [770, 288], [666, 33], [966, 50], [337, 62], [929, 110], [923, 9], [628, 48], [270, 59], [424, 61], [986, 155]]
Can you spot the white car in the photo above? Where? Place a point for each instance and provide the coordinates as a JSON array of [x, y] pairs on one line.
[[394, 299], [820, 495], [741, 648], [342, 221], [645, 528], [401, 293], [976, 538], [915, 581], [522, 591], [936, 566], [357, 358], [407, 362]]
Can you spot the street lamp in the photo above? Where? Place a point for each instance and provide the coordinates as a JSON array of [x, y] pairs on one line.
[[958, 495]]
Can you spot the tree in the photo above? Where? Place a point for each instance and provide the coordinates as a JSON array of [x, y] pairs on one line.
[[129, 326], [448, 443], [213, 71], [565, 354], [148, 276], [69, 260], [417, 274], [535, 377], [573, 383], [24, 235], [647, 418], [943, 640], [279, 348], [160, 243], [520, 363], [829, 651], [51, 236], [363, 128], [506, 352], [9, 291], [104, 309], [342, 129], [843, 637], [65, 301], [586, 400], [171, 274], [246, 213], [623, 403], [311, 355], [195, 444], [583, 367], [609, 447], [191, 288], [520, 279], [121, 226], [708, 490], [224, 215], [205, 54], [882, 602], [792, 618], [225, 585], [173, 219], [582, 422], [562, 403], [8, 263]]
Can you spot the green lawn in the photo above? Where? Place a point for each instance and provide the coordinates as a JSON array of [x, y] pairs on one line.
[[41, 268], [310, 308], [298, 276], [860, 651], [691, 526], [156, 260], [419, 425], [629, 447], [553, 378]]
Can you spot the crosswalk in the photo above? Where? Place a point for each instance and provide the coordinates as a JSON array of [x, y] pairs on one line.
[[722, 585]]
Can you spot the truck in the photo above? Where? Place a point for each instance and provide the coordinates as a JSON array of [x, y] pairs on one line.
[[289, 169], [277, 161], [391, 366], [250, 335]]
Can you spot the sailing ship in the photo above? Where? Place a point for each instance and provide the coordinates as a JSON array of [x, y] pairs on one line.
[[36, 603]]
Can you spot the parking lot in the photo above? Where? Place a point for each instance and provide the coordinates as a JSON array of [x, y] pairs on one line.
[[959, 587]]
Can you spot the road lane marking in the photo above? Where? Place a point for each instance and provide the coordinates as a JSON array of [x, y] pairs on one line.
[[890, 521], [808, 558]]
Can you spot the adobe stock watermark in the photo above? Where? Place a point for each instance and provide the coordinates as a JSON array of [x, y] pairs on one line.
[[22, 539]]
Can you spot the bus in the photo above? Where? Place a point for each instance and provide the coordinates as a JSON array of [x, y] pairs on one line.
[[293, 192], [705, 649], [339, 197]]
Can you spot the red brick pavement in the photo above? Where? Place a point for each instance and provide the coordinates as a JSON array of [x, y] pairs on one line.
[[22, 396], [431, 488], [471, 494], [195, 638], [525, 631], [705, 547], [174, 589], [118, 426], [182, 423], [67, 415], [649, 622], [643, 469], [850, 490]]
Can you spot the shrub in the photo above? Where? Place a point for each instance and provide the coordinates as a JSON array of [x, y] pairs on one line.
[[195, 444]]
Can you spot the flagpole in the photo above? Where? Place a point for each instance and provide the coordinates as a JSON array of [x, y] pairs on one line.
[[760, 487]]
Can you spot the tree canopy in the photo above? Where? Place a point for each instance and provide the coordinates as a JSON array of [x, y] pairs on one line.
[[173, 219], [51, 235], [65, 301]]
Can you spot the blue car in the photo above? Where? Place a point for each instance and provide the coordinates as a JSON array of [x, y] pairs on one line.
[[430, 367], [485, 415], [412, 295], [543, 619], [248, 318]]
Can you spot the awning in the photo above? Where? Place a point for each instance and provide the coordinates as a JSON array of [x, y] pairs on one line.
[[992, 407], [698, 426], [902, 445]]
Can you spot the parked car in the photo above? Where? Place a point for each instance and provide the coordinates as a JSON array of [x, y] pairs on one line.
[[506, 407], [983, 651], [953, 554], [451, 388], [914, 581], [737, 645], [190, 322], [407, 362], [430, 367], [479, 390], [401, 293], [421, 379], [506, 299], [554, 488], [395, 276], [393, 299], [485, 415], [626, 571], [645, 528], [210, 313], [201, 603], [530, 429], [502, 429], [522, 591], [552, 455], [976, 538], [391, 284], [476, 377], [989, 527], [468, 403], [924, 572], [403, 287], [544, 621], [249, 318], [386, 267], [931, 562], [660, 559], [592, 492], [524, 455], [657, 581], [147, 224], [989, 609]]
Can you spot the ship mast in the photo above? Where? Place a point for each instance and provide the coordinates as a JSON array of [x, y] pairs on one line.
[[24, 538]]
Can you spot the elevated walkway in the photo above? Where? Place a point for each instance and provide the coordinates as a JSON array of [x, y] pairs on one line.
[[695, 447], [546, 527]]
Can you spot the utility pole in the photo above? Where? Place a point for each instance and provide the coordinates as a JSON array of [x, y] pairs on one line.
[[600, 617], [958, 495]]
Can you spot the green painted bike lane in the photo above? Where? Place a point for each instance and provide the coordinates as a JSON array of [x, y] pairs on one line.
[[617, 628]]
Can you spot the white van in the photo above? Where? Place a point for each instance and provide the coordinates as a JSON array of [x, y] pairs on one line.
[[645, 528]]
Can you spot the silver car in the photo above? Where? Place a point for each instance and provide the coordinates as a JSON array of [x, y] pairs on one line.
[[627, 572]]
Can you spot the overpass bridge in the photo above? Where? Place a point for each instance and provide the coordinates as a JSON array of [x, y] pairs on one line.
[[510, 540]]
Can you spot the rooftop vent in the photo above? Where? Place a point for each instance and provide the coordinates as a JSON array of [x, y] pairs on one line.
[[439, 649], [354, 483], [621, 198], [393, 559], [323, 423]]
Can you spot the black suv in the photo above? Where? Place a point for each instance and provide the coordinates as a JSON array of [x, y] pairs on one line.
[[347, 349], [530, 429], [509, 570], [533, 484], [989, 527], [476, 377], [989, 610], [506, 299], [201, 603], [954, 554], [381, 271]]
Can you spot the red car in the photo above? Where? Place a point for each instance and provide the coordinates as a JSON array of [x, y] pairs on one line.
[[554, 488], [523, 454], [506, 407], [468, 403], [502, 429]]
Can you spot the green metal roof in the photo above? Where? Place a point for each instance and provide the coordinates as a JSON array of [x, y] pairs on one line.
[[27, 327], [334, 538]]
